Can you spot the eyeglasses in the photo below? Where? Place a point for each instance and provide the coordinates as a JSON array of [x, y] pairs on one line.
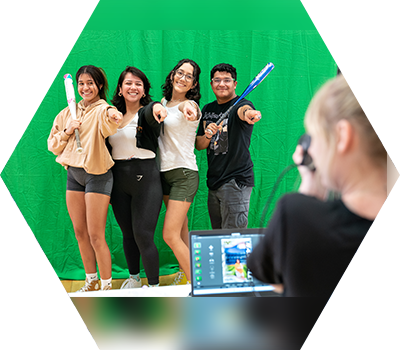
[[218, 81], [180, 74]]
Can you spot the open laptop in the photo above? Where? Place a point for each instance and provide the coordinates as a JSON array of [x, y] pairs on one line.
[[218, 263]]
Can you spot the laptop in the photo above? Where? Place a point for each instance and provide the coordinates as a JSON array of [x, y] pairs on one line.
[[218, 263]]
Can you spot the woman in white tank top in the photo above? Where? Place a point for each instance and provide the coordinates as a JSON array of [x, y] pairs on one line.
[[179, 172]]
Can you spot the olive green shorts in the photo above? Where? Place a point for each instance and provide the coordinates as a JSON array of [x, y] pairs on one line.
[[180, 184]]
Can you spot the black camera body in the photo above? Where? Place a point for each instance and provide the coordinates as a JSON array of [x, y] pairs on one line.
[[305, 141]]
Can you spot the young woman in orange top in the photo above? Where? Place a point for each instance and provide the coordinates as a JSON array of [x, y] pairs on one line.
[[89, 180]]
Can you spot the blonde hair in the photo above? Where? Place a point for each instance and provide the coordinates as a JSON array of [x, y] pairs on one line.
[[335, 101]]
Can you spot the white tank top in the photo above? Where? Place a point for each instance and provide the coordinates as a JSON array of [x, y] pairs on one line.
[[124, 143], [177, 142]]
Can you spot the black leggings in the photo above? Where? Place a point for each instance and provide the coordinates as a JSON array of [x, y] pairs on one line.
[[136, 201]]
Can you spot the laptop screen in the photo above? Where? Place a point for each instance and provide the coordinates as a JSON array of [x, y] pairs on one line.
[[218, 262]]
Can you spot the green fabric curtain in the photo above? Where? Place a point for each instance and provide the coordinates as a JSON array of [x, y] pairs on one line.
[[302, 64]]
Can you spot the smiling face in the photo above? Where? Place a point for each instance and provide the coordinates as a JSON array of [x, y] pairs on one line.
[[88, 89], [183, 80], [223, 86], [132, 88]]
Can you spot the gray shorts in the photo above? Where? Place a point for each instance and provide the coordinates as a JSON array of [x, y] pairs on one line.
[[180, 184], [79, 180], [228, 206]]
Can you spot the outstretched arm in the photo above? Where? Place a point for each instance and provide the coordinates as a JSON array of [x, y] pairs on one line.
[[190, 110], [159, 112], [248, 114]]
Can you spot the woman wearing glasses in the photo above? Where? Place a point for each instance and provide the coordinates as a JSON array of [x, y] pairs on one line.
[[179, 172]]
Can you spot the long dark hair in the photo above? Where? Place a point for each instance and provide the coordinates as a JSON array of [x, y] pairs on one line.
[[119, 101], [192, 94], [99, 77]]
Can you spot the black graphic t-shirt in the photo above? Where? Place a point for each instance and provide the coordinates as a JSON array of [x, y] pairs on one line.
[[228, 154]]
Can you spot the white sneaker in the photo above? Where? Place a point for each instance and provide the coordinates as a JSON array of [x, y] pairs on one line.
[[178, 278], [150, 286], [131, 283]]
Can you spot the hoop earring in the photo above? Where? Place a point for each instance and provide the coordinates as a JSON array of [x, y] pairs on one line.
[[144, 95], [119, 93]]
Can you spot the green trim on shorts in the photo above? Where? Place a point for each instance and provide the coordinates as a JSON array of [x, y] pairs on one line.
[[180, 184]]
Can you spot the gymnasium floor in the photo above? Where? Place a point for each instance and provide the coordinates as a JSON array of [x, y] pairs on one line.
[[29, 289]]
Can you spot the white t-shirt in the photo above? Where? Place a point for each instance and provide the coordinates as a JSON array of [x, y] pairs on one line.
[[124, 143], [177, 142]]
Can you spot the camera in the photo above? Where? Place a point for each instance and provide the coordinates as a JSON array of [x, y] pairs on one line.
[[305, 141]]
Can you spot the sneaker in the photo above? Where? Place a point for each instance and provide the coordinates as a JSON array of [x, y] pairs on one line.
[[109, 287], [131, 283], [145, 286], [178, 278], [89, 287]]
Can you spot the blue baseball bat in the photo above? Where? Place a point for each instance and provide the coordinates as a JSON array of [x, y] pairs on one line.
[[255, 82]]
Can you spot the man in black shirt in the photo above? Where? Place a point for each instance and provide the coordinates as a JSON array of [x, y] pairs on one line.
[[230, 177]]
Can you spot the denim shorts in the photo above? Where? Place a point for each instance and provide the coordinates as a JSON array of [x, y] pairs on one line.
[[180, 184], [79, 180]]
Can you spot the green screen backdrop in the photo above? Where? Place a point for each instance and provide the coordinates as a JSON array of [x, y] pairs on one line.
[[302, 64]]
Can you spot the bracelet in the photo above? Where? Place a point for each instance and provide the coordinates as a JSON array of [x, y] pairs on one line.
[[247, 109], [112, 108], [208, 137]]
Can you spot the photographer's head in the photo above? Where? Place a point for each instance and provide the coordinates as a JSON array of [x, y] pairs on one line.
[[343, 142]]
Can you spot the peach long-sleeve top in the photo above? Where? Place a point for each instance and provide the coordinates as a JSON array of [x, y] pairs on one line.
[[95, 128]]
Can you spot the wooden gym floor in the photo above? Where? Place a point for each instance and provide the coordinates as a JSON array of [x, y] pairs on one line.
[[29, 289]]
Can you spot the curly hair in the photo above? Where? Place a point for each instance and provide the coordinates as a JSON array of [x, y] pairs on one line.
[[119, 101], [192, 94], [99, 77]]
